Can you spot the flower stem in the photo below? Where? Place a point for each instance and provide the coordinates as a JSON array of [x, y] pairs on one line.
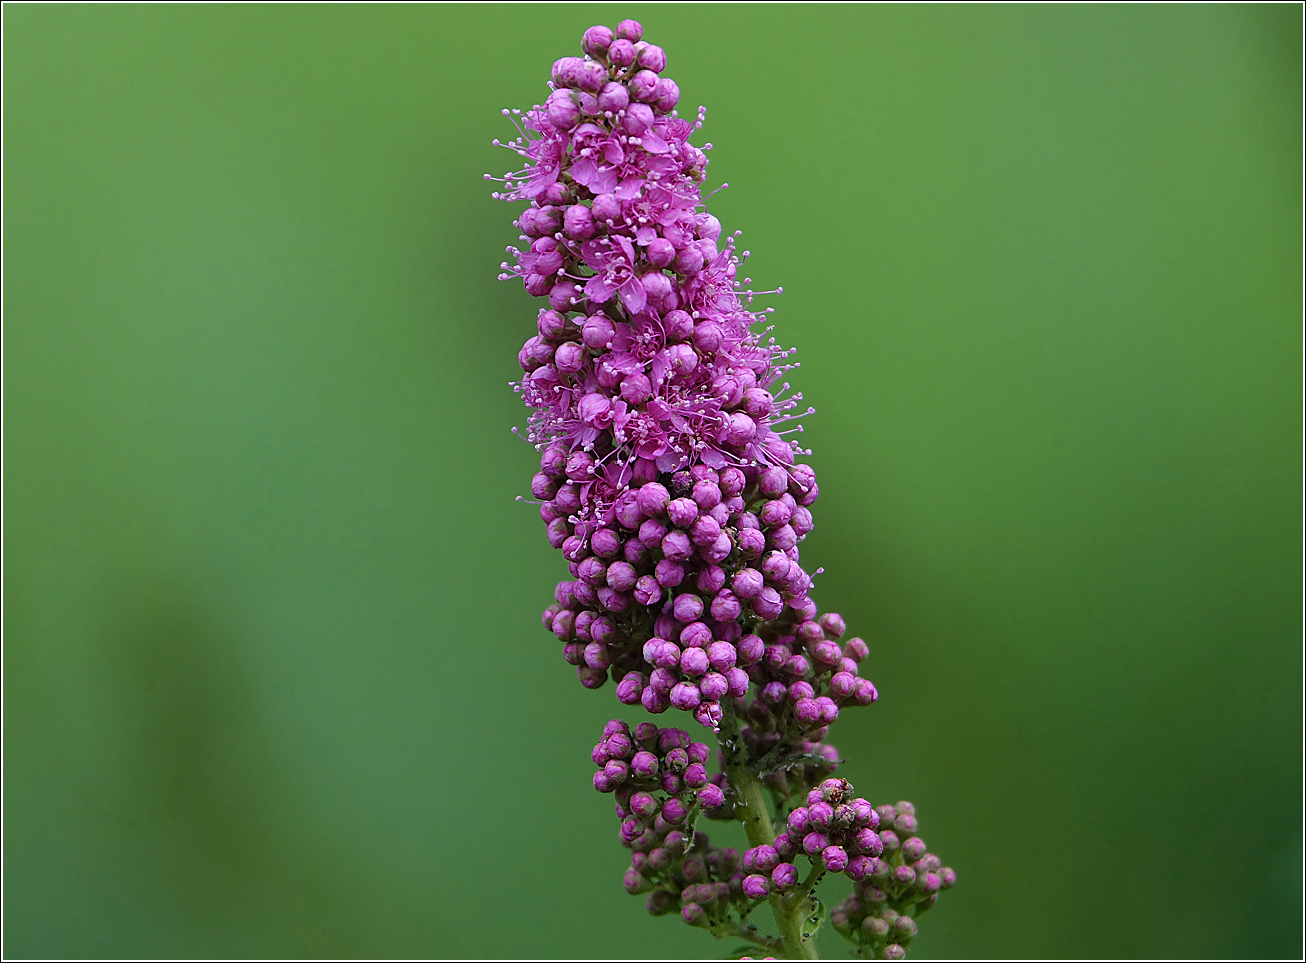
[[751, 808]]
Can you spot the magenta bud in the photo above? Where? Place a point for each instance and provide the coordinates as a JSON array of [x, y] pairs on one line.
[[596, 40], [643, 804], [695, 775], [682, 512], [798, 822], [606, 208], [808, 713], [707, 494], [694, 662], [569, 358], [635, 883], [639, 118], [736, 682], [756, 887], [689, 261], [834, 858], [677, 547], [605, 543], [833, 624], [868, 842], [564, 70], [653, 58], [685, 696], [764, 858], [757, 402], [707, 338], [751, 542], [750, 649], [726, 606], [644, 87], [590, 77], [712, 685], [865, 814], [865, 693], [616, 770], [620, 576], [695, 635], [644, 765], [660, 252], [855, 649], [629, 30], [843, 684], [653, 499], [669, 573], [773, 482], [711, 579], [928, 883], [814, 843], [636, 388], [710, 796], [819, 815], [859, 867], [722, 655], [905, 824], [709, 713], [563, 110], [678, 326], [578, 222], [827, 653], [651, 531], [647, 591], [913, 848], [674, 811], [622, 52], [667, 95], [731, 481], [630, 688], [828, 710], [613, 97], [797, 692], [785, 876], [687, 607]]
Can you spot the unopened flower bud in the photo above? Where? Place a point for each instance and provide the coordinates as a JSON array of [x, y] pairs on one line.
[[756, 886], [660, 903], [785, 876]]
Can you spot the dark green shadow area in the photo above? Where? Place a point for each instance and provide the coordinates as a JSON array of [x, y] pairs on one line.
[[274, 679]]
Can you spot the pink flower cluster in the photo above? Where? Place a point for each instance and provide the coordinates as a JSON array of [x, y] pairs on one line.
[[664, 477], [658, 408]]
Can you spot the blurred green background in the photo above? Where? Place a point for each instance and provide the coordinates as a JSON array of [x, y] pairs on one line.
[[275, 682]]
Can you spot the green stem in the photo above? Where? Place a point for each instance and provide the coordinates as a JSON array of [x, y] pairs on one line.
[[739, 931], [751, 808], [813, 877]]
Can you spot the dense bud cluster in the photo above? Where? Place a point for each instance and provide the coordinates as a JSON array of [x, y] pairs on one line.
[[661, 785], [879, 917], [835, 829]]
